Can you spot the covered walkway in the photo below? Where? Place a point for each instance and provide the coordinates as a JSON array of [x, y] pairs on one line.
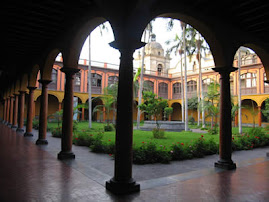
[[32, 173]]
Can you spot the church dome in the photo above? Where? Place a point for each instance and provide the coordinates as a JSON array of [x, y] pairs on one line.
[[154, 48]]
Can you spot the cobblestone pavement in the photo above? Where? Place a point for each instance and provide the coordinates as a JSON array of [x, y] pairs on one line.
[[33, 173]]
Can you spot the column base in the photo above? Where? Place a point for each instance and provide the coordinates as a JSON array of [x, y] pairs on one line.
[[41, 142], [122, 187], [20, 130], [9, 125], [14, 126], [227, 165], [28, 134], [66, 155]]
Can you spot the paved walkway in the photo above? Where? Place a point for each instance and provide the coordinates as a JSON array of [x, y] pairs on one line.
[[29, 172]]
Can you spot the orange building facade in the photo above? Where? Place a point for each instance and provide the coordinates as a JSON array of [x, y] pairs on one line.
[[254, 90]]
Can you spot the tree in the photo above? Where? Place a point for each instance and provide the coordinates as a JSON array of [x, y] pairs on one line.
[[109, 97], [168, 111], [153, 106], [211, 102], [265, 111]]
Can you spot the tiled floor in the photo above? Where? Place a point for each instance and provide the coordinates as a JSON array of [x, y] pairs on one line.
[[30, 173]]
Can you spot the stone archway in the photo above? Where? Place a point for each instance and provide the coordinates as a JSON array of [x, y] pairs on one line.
[[176, 115]]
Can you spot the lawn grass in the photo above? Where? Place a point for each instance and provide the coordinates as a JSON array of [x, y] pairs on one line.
[[141, 137]]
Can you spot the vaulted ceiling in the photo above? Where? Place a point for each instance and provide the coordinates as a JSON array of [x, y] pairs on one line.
[[28, 27]]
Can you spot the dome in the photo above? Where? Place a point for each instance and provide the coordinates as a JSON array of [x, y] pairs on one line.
[[154, 45]]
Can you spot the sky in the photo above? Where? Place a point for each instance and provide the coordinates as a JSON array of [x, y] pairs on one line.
[[101, 51]]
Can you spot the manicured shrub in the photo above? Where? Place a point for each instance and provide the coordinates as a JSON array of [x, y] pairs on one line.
[[83, 139], [149, 153], [108, 128]]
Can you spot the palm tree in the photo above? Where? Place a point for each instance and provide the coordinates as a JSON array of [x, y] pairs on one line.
[[108, 98], [101, 28], [192, 45], [141, 70]]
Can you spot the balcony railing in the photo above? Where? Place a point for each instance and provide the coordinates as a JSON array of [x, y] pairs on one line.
[[249, 91]]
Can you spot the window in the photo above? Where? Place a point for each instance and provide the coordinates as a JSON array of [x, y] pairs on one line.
[[77, 79], [54, 76], [191, 86], [265, 79], [248, 80], [148, 86], [177, 88], [96, 80], [112, 80], [159, 69], [163, 88], [206, 82]]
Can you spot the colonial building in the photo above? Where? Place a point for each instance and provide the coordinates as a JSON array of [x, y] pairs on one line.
[[162, 80]]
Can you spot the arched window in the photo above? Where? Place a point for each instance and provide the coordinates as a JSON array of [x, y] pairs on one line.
[[163, 90], [177, 90], [53, 84], [77, 82], [191, 88], [96, 83], [206, 82], [96, 80], [54, 76], [112, 80], [266, 85], [248, 83], [160, 69], [148, 86], [248, 80]]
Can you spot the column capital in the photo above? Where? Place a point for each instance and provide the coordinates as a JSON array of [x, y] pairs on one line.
[[69, 70], [31, 87], [223, 70], [127, 45], [44, 81], [22, 91]]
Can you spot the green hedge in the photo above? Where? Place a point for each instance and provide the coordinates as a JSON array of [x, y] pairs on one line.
[[152, 152]]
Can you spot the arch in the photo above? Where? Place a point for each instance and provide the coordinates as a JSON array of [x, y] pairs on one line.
[[263, 55], [46, 70], [176, 115], [32, 76], [76, 38], [24, 81], [249, 111]]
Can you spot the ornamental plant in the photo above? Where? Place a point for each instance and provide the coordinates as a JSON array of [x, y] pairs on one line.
[[154, 107]]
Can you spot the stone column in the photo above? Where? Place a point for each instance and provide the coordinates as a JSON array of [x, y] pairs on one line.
[[29, 124], [15, 112], [122, 182], [21, 112], [11, 111], [67, 126], [82, 113], [260, 116], [7, 111], [225, 139], [42, 129]]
